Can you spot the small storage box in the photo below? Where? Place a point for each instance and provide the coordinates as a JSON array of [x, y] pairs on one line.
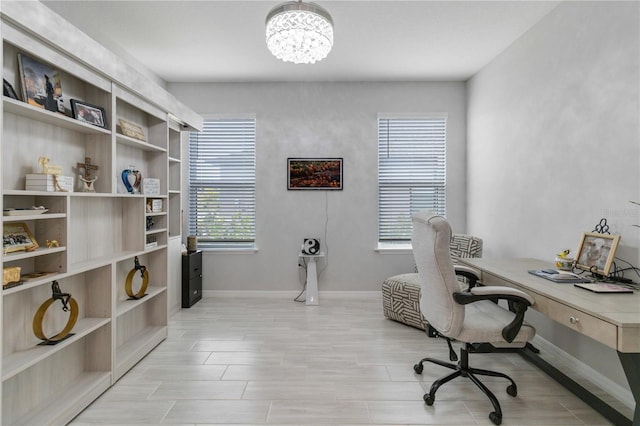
[[49, 183]]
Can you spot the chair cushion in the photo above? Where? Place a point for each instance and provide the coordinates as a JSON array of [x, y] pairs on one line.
[[484, 321]]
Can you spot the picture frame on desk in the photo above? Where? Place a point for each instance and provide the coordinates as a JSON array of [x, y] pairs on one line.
[[596, 252], [17, 237], [90, 114]]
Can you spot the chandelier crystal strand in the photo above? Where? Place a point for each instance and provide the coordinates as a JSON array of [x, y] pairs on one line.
[[299, 32]]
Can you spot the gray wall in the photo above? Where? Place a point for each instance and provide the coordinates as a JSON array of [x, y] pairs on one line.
[[553, 145], [324, 120]]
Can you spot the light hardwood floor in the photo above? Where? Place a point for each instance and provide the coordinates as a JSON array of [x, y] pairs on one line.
[[251, 360]]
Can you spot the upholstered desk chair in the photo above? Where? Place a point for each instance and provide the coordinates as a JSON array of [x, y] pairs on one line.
[[401, 293], [471, 318]]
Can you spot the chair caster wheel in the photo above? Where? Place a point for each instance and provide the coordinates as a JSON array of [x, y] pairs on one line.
[[495, 418], [427, 399], [512, 390], [418, 368]]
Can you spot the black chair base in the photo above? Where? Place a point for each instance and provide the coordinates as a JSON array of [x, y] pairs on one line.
[[462, 369]]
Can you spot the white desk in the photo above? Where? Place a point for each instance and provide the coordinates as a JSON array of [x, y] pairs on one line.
[[612, 319], [311, 297]]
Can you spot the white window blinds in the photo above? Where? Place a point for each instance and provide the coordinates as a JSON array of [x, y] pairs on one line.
[[411, 173], [222, 190]]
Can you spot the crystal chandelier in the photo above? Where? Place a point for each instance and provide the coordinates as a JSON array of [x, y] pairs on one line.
[[299, 32]]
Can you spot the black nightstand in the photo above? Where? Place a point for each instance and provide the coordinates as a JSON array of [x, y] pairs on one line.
[[191, 278]]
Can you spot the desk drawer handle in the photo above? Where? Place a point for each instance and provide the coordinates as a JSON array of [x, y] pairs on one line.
[[574, 320]]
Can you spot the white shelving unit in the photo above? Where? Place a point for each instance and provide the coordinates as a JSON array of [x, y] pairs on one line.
[[174, 218], [98, 234]]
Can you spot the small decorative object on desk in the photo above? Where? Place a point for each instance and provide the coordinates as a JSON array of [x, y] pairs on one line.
[[602, 227], [563, 261], [151, 186], [131, 178], [86, 178], [130, 129], [90, 114], [17, 237]]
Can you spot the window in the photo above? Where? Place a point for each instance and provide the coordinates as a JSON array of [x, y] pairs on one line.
[[222, 190], [411, 173]]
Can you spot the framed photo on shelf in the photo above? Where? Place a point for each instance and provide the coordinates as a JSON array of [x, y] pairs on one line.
[[90, 114], [314, 173], [596, 252], [17, 237], [7, 90], [132, 130], [41, 86]]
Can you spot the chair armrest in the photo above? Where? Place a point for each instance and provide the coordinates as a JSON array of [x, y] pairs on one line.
[[518, 303], [469, 273], [502, 290]]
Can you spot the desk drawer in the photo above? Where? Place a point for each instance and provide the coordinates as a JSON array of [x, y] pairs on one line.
[[602, 331]]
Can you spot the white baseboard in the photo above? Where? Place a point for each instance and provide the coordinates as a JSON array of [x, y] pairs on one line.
[[581, 372], [267, 294]]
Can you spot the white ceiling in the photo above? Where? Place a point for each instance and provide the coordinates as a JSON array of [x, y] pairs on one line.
[[223, 41]]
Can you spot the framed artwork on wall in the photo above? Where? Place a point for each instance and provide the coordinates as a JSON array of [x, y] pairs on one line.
[[314, 174]]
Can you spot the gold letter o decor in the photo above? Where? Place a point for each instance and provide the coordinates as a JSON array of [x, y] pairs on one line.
[[71, 322], [129, 282]]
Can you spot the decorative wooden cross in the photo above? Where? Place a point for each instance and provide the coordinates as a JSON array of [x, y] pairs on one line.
[[88, 167]]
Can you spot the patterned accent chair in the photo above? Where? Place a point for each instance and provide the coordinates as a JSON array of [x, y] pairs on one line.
[[401, 293]]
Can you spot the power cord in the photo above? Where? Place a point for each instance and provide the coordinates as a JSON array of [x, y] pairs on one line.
[[326, 226], [618, 274], [303, 266]]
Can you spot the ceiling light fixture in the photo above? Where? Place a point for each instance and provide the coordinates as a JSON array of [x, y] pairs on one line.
[[299, 32]]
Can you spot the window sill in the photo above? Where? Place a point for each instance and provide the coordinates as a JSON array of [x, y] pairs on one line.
[[394, 248], [229, 250]]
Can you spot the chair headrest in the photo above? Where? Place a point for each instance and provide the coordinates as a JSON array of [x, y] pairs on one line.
[[435, 221]]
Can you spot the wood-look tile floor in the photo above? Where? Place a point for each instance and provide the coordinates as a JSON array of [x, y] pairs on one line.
[[250, 360]]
